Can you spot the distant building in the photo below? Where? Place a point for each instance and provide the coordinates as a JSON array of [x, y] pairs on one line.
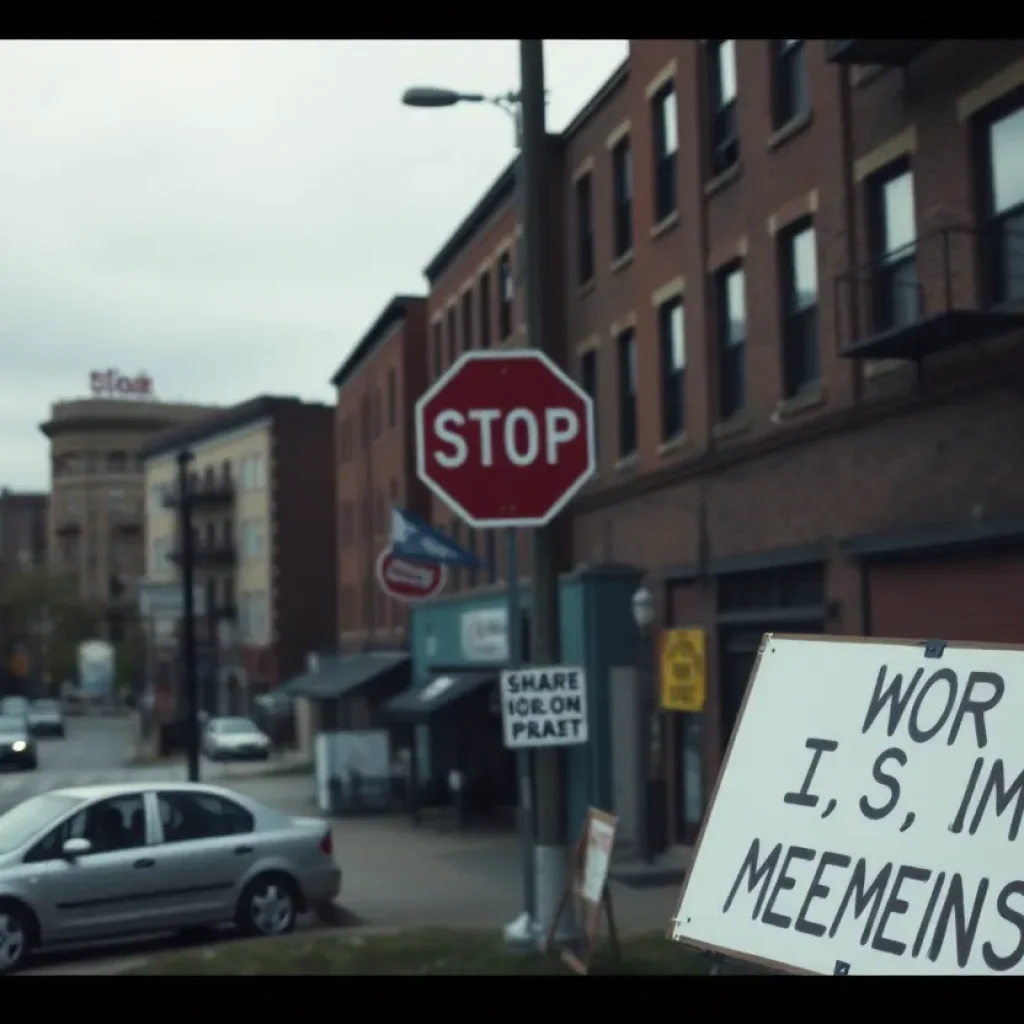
[[262, 486], [95, 514], [23, 521]]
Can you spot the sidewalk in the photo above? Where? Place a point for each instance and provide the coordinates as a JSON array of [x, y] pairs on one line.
[[397, 875]]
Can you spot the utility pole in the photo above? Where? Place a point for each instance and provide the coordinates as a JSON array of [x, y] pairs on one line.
[[551, 849], [188, 626]]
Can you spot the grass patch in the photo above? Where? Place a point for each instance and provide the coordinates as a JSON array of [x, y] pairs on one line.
[[424, 951]]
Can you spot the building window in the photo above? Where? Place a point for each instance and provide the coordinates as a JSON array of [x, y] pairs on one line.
[[467, 320], [672, 336], [392, 400], [801, 363], [666, 145], [117, 462], [252, 473], [490, 556], [789, 92], [588, 379], [626, 343], [584, 229], [732, 340], [453, 335], [622, 198], [484, 291], [376, 413], [364, 421], [725, 139], [1003, 204], [896, 297], [438, 350], [505, 289]]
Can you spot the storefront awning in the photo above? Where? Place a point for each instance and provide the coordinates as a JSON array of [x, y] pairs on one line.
[[421, 702], [347, 674]]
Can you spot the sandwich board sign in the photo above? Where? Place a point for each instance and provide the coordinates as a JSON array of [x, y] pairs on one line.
[[588, 882], [867, 817]]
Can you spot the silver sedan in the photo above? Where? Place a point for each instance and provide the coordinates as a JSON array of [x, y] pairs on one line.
[[101, 862]]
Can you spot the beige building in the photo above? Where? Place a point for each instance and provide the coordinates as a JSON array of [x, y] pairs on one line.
[[231, 513], [261, 493], [95, 527]]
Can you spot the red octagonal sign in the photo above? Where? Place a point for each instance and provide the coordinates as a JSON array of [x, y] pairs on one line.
[[505, 438]]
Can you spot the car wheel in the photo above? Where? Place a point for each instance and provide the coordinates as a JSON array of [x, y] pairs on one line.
[[16, 931], [269, 906]]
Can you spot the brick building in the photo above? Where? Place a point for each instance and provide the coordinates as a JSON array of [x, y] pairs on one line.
[[263, 486], [792, 280], [377, 387]]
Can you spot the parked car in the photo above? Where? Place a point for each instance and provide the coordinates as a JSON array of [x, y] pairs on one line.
[[100, 862], [14, 706], [46, 718], [235, 739], [17, 745]]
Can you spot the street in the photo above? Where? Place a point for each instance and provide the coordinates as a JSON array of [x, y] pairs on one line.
[[395, 874]]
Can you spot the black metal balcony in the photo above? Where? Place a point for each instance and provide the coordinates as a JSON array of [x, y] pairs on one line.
[[211, 554], [205, 494], [888, 53], [125, 523], [955, 286], [68, 527]]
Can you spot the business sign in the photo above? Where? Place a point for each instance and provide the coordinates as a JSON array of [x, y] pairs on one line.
[[409, 581], [505, 438], [484, 634], [544, 707], [114, 384], [683, 675], [868, 813]]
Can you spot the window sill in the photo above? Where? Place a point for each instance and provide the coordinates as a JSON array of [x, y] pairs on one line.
[[673, 444], [665, 225], [625, 463], [722, 181], [621, 262], [793, 127], [586, 289], [738, 423], [801, 402]]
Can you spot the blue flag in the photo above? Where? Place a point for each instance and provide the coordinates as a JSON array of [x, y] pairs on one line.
[[418, 541]]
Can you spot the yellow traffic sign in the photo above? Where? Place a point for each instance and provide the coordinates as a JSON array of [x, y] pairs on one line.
[[683, 671]]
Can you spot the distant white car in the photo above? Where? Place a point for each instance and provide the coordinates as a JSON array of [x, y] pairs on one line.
[[239, 739], [46, 718]]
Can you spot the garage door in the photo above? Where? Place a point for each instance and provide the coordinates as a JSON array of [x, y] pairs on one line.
[[979, 599]]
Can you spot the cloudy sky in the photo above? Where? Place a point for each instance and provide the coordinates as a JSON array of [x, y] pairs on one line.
[[230, 216]]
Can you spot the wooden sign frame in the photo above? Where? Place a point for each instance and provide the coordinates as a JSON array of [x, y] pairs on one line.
[[930, 648], [591, 908]]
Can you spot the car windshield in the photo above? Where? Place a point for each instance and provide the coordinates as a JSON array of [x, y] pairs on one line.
[[234, 725], [13, 706], [28, 819], [12, 723]]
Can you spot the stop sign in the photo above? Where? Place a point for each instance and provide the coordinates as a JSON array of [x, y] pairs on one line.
[[505, 438]]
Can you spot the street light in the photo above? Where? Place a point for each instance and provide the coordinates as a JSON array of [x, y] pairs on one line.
[[643, 607], [649, 723], [524, 927]]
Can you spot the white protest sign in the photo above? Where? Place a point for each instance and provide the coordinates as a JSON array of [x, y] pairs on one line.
[[597, 855], [867, 816], [544, 707]]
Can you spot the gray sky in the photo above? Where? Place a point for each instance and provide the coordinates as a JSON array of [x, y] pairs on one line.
[[230, 216]]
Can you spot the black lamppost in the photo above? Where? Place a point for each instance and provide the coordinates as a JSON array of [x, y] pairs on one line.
[[188, 626], [649, 721]]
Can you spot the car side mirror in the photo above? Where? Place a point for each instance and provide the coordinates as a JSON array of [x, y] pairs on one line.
[[73, 848]]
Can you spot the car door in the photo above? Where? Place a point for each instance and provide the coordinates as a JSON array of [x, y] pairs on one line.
[[207, 846], [112, 890]]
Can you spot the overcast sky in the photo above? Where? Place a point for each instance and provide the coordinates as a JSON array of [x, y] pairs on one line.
[[230, 216]]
